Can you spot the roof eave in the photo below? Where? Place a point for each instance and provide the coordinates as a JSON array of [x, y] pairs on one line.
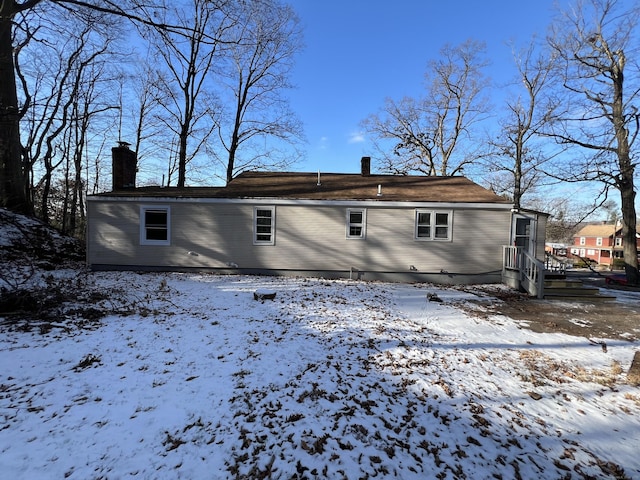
[[307, 202]]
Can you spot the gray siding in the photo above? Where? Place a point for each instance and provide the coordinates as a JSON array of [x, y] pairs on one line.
[[307, 239]]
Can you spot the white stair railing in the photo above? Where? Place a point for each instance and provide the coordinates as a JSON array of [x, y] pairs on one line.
[[531, 270], [552, 263]]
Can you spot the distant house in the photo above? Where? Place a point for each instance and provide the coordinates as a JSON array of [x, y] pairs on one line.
[[373, 227], [601, 243], [556, 249]]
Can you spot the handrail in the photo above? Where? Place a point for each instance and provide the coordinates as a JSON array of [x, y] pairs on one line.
[[531, 269], [555, 264]]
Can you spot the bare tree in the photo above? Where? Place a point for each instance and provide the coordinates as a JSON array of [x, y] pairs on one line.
[[188, 60], [565, 215], [259, 65], [568, 213], [518, 151], [13, 165], [404, 127], [430, 135], [600, 118], [56, 75], [140, 113], [93, 109]]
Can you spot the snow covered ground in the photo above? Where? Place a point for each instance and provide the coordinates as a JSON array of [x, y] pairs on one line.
[[193, 378]]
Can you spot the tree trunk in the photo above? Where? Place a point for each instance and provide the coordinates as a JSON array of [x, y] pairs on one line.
[[45, 190], [182, 160], [76, 198], [629, 241], [241, 102], [517, 170], [230, 165], [625, 178], [233, 148], [13, 184]]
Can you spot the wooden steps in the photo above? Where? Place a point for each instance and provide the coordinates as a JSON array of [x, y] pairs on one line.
[[567, 290]]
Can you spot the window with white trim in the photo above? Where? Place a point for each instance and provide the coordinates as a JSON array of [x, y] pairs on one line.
[[155, 225], [433, 225], [618, 242], [264, 225], [583, 241], [598, 241], [356, 222]]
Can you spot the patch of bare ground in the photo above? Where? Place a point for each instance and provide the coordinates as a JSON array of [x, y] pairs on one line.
[[613, 319]]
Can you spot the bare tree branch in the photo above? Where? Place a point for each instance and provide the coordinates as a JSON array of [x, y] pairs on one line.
[[599, 116], [431, 135]]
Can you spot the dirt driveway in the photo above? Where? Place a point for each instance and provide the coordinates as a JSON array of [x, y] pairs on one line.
[[617, 319]]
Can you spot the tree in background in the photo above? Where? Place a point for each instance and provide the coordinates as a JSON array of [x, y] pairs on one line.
[[57, 77], [188, 60], [599, 118], [139, 116], [565, 217], [55, 121], [256, 73], [13, 164], [433, 135], [567, 213], [518, 152]]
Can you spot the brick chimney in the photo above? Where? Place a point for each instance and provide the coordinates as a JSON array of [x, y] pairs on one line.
[[124, 167], [365, 164]]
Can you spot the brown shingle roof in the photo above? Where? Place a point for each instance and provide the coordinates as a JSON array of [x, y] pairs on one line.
[[333, 186], [603, 231]]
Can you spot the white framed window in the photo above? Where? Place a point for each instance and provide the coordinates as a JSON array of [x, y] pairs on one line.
[[433, 225], [618, 241], [599, 242], [356, 222], [583, 241], [591, 251], [264, 225], [155, 225]]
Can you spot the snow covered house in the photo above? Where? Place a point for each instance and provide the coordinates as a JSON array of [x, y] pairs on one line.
[[373, 227]]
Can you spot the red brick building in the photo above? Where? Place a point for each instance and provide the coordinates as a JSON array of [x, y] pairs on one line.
[[600, 243]]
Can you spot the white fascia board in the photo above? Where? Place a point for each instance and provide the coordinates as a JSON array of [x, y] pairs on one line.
[[318, 203]]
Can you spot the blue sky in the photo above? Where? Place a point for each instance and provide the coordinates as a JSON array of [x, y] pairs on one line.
[[360, 52]]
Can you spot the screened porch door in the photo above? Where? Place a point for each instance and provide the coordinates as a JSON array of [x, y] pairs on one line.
[[524, 234]]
